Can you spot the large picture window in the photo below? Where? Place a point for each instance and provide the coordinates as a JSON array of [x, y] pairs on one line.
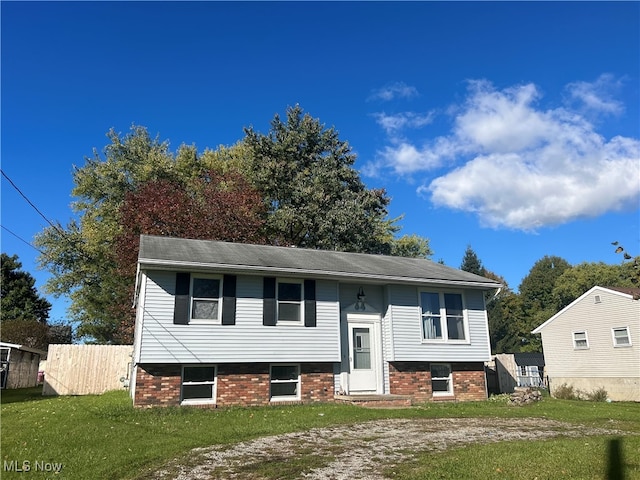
[[205, 298], [443, 316], [285, 382], [198, 384]]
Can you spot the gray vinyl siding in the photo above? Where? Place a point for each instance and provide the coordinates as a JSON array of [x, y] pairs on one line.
[[601, 358], [247, 341], [407, 330]]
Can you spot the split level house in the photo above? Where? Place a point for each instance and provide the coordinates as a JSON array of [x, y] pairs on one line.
[[594, 343], [236, 324]]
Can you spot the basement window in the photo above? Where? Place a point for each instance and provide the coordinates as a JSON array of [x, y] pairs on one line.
[[441, 379], [284, 383], [198, 384]]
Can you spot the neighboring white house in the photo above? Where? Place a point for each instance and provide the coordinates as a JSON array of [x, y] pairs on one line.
[[595, 343], [225, 323]]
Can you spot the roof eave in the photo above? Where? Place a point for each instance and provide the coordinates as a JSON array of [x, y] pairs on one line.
[[156, 264]]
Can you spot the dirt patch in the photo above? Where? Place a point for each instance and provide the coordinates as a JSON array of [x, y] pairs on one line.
[[358, 451]]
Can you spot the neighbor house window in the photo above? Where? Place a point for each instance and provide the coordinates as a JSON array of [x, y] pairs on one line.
[[441, 379], [198, 384], [290, 301], [205, 298], [580, 340], [621, 337], [285, 382], [443, 316]]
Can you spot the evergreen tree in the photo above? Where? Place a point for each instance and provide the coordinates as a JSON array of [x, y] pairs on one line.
[[315, 197], [471, 263], [19, 298]]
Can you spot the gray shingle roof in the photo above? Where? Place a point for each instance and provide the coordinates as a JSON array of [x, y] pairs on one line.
[[180, 253]]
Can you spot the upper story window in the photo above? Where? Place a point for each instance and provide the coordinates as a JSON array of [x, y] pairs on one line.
[[443, 316], [205, 298], [580, 340], [290, 295], [621, 337]]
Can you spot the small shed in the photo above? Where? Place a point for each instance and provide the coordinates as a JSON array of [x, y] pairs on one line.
[[524, 369], [19, 365]]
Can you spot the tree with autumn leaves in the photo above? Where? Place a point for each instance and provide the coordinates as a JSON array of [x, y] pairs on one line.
[[295, 185]]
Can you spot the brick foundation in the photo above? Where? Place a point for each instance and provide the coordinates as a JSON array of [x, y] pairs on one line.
[[414, 379], [410, 378], [158, 385], [469, 381], [237, 384]]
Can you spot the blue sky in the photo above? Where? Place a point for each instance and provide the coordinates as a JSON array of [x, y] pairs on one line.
[[510, 127]]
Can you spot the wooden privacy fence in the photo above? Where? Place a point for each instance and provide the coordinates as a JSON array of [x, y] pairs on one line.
[[86, 369]]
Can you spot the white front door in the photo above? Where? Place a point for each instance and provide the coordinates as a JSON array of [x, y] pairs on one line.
[[364, 356]]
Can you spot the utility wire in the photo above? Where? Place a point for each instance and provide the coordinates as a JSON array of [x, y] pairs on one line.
[[31, 203], [57, 228], [21, 239]]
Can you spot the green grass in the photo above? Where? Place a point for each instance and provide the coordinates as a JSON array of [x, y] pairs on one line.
[[104, 437]]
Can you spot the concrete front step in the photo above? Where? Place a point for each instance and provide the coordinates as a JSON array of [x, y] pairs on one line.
[[376, 401]]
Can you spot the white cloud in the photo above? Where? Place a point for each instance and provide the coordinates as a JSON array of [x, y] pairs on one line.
[[394, 90], [396, 122], [521, 166], [598, 95]]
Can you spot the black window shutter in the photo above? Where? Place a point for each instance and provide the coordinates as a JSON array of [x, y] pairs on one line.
[[181, 309], [229, 300], [269, 301], [309, 303]]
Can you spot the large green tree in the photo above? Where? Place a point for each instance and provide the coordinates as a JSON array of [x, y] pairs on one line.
[[580, 278], [413, 246], [294, 186], [20, 299], [80, 255], [314, 194], [537, 299]]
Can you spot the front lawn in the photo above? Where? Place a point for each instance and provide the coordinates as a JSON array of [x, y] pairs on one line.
[[104, 437]]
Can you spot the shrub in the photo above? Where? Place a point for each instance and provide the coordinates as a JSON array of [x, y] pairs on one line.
[[499, 398], [566, 392], [598, 395]]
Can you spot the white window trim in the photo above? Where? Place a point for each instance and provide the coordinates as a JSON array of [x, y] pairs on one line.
[[286, 398], [443, 319], [200, 401], [586, 337], [205, 321], [301, 303], [613, 336], [449, 379]]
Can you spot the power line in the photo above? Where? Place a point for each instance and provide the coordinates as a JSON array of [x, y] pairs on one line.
[[31, 203], [64, 235], [21, 239]]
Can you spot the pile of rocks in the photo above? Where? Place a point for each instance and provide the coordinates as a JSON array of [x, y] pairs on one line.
[[524, 396]]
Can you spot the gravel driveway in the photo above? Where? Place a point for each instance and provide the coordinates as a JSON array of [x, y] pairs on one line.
[[363, 450]]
